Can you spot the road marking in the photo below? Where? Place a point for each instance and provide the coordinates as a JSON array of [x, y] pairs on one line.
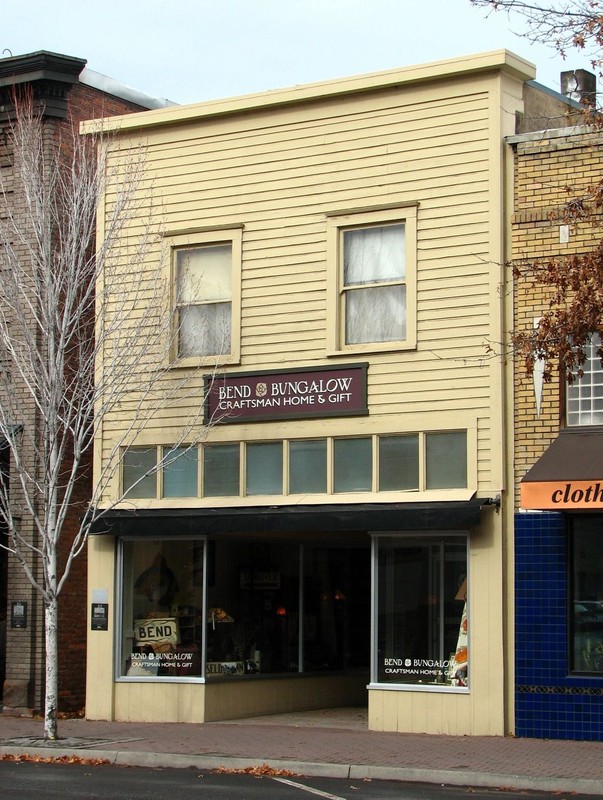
[[309, 789]]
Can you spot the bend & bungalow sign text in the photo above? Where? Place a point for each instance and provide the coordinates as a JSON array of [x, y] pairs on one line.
[[290, 394]]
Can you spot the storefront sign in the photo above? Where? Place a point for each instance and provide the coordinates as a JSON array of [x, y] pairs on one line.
[[225, 668], [154, 631], [416, 670], [259, 579], [319, 392], [562, 495]]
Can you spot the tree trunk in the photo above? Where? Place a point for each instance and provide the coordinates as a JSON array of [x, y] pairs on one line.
[[52, 668]]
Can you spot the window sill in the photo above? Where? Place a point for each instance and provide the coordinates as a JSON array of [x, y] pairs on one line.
[[208, 362], [418, 687], [372, 348]]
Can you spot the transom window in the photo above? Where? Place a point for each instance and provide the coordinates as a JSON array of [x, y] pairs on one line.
[[585, 395], [331, 466]]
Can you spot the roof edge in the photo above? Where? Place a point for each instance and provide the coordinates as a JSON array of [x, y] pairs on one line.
[[551, 133], [501, 60], [96, 80], [41, 64]]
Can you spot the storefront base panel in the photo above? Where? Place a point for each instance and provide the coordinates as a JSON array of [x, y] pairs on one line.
[[573, 714], [237, 699], [429, 712], [159, 702], [550, 702]]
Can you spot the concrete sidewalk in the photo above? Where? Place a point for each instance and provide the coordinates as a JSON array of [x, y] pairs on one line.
[[333, 743]]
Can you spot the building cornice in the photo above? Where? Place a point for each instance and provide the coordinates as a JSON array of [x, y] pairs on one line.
[[501, 61]]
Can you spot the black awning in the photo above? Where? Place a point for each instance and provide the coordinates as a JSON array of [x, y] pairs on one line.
[[569, 474], [286, 519]]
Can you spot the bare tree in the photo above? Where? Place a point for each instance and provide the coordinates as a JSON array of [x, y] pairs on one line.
[[563, 25], [72, 347], [573, 284]]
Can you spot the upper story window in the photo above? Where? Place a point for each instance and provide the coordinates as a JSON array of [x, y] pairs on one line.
[[372, 280], [204, 298], [585, 395], [207, 295]]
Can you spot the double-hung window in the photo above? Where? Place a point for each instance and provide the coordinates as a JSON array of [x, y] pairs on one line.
[[585, 395], [206, 286], [372, 279]]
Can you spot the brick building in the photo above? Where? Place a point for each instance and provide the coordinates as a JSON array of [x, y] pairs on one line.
[[558, 464], [67, 92]]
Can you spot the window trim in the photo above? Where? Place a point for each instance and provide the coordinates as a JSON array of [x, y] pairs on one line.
[[591, 359], [201, 237], [118, 632], [337, 224], [376, 539], [331, 496]]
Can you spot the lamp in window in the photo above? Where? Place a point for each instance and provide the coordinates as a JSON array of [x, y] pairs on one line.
[[218, 615]]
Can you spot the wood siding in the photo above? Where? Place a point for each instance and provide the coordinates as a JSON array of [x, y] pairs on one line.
[[279, 172]]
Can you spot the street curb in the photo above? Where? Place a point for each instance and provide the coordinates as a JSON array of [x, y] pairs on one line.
[[315, 769]]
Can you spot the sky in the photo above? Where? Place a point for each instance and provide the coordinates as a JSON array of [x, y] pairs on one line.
[[190, 51]]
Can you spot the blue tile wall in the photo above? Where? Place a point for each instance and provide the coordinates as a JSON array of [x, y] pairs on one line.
[[549, 702]]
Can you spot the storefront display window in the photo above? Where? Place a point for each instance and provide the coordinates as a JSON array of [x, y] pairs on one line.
[[422, 623], [587, 594], [279, 607], [162, 602]]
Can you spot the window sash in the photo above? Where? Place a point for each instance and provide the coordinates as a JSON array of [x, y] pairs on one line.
[[586, 614], [180, 472], [205, 330], [308, 466], [399, 464], [264, 468], [221, 470], [390, 232], [136, 463], [373, 288], [377, 463], [206, 299], [374, 255], [422, 630], [204, 274], [375, 314], [585, 396], [446, 460], [352, 465]]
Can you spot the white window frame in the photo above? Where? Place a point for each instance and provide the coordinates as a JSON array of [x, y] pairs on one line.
[[231, 235], [582, 391], [337, 224]]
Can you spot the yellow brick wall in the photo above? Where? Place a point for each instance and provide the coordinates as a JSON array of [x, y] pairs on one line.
[[549, 170]]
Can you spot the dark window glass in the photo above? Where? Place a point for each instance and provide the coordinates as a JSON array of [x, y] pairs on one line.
[[422, 611], [587, 594]]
